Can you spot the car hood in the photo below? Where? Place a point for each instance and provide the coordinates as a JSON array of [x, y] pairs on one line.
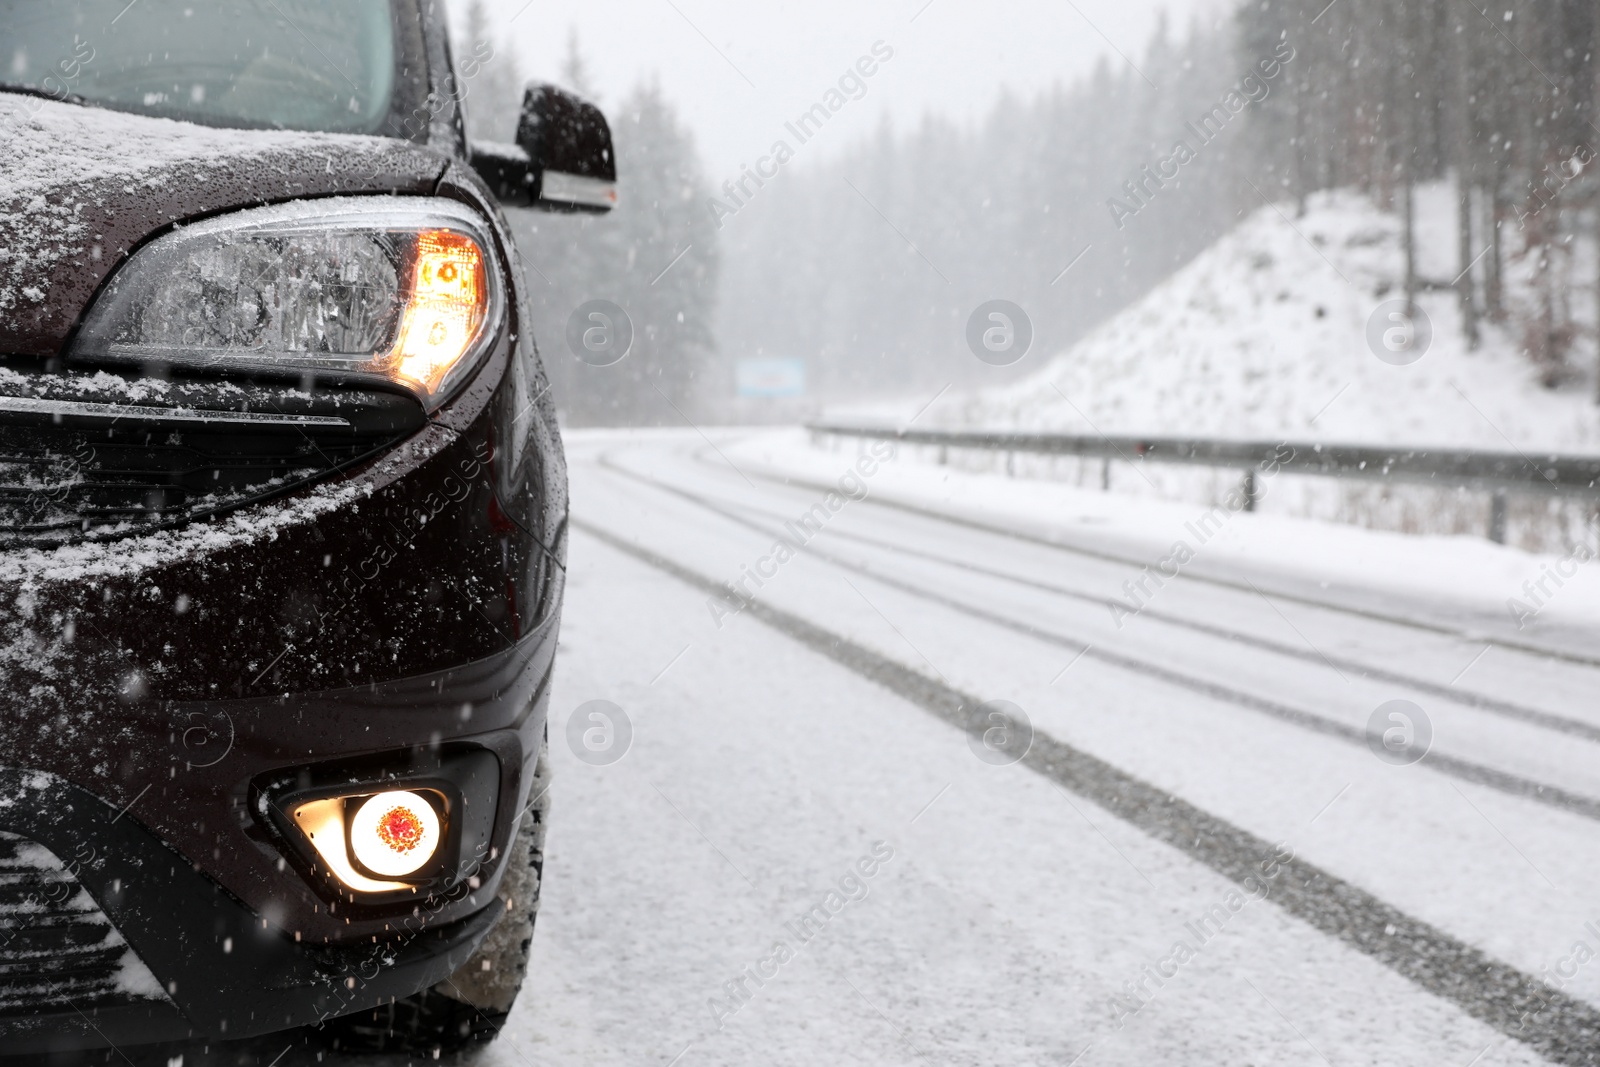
[[82, 187]]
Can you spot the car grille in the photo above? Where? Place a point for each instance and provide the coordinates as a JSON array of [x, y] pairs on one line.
[[74, 468], [57, 948]]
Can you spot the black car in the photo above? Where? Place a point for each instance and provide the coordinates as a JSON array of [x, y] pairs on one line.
[[282, 525]]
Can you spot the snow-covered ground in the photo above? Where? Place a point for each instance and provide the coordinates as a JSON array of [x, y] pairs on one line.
[[1264, 335], [1463, 582], [1012, 913]]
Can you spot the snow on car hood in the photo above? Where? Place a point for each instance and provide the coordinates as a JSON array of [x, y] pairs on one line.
[[80, 187]]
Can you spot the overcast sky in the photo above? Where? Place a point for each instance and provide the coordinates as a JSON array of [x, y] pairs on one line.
[[737, 71]]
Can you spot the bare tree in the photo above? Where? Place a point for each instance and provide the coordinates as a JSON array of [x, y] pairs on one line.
[[1466, 157]]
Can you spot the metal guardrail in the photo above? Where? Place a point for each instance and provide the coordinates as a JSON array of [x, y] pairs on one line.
[[1498, 473]]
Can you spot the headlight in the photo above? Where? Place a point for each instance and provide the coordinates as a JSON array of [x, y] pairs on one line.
[[400, 288]]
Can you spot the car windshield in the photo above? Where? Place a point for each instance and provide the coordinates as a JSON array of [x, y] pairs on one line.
[[286, 64]]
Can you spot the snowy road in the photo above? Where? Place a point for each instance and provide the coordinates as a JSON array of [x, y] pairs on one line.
[[1028, 909], [807, 853]]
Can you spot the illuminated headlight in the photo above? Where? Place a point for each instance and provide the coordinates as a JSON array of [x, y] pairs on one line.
[[394, 834], [405, 289]]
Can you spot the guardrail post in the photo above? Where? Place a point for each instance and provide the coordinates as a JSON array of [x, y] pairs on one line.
[[1105, 475], [1497, 517], [944, 455], [1011, 464], [1249, 488]]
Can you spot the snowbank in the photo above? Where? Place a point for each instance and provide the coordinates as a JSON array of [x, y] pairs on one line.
[[1264, 335]]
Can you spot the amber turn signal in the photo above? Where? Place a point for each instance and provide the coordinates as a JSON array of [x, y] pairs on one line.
[[445, 308]]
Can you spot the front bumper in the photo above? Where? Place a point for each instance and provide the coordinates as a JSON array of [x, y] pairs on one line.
[[293, 954], [227, 973]]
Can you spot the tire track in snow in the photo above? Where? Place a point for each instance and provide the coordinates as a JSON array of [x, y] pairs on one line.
[[1466, 698], [1560, 1028], [1452, 766], [1470, 636]]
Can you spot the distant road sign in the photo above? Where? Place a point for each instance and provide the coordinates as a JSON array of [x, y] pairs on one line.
[[771, 377]]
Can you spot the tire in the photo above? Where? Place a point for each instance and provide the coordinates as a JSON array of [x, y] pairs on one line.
[[472, 1004]]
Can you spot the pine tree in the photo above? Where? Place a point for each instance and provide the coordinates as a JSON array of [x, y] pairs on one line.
[[490, 83], [575, 69], [671, 258], [656, 256]]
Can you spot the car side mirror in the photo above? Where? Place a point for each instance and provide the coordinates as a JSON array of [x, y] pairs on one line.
[[562, 161]]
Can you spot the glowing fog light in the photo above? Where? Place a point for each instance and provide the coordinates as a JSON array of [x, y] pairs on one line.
[[394, 834]]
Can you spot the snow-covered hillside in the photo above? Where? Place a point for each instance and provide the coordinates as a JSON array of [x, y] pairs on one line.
[[1264, 334]]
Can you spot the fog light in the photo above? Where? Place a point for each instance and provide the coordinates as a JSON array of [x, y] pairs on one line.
[[365, 840], [394, 834], [385, 828]]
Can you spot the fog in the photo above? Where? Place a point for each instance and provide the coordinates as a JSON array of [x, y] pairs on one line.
[[816, 204], [953, 57]]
